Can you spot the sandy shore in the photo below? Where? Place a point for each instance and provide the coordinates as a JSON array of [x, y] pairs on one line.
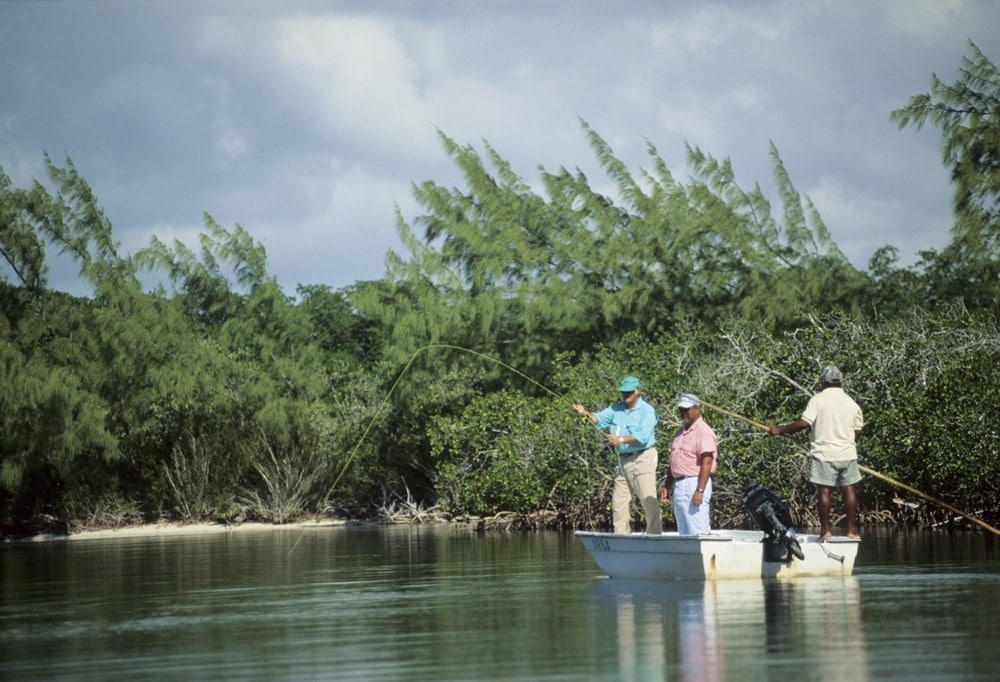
[[165, 529]]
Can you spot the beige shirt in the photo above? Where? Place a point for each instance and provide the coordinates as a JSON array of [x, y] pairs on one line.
[[834, 418]]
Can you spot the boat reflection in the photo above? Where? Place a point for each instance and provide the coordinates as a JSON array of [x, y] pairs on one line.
[[820, 621], [716, 630]]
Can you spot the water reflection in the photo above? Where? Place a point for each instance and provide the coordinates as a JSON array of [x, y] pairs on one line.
[[663, 629], [413, 603], [820, 619], [716, 630]]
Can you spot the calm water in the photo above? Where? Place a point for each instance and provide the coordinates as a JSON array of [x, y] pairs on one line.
[[446, 603]]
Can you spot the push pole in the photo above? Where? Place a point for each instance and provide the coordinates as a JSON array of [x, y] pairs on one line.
[[872, 472]]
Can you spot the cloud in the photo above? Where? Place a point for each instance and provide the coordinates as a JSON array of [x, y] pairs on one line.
[[861, 221], [307, 122], [346, 237], [346, 80], [927, 20]]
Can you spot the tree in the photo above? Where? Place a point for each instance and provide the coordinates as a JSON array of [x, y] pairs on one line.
[[261, 421], [522, 276], [968, 113], [60, 429], [53, 426], [341, 330], [21, 214], [746, 263], [892, 290], [190, 404], [503, 270]]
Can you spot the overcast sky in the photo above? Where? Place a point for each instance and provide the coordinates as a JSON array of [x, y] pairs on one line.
[[308, 122]]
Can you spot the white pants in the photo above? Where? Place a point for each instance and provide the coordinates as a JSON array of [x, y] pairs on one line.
[[636, 475], [691, 520]]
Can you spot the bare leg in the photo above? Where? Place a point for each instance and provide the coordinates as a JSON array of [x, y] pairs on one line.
[[823, 493], [851, 508]]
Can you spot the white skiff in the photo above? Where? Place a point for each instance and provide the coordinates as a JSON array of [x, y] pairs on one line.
[[722, 554]]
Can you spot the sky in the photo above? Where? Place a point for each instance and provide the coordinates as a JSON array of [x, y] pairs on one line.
[[308, 123]]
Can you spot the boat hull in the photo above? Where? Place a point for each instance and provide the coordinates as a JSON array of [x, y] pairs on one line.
[[718, 555]]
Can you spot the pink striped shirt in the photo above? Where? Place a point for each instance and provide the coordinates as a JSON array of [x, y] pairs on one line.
[[687, 447]]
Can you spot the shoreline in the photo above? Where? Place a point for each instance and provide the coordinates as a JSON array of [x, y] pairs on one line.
[[500, 521], [164, 529]]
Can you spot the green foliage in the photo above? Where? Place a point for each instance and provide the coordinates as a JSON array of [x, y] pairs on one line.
[[53, 422], [909, 374], [453, 375], [288, 458], [76, 224], [340, 331], [521, 277], [745, 263], [22, 214], [506, 271], [188, 405], [502, 454], [893, 291], [966, 112], [48, 420]]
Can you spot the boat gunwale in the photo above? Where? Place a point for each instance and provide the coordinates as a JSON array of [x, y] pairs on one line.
[[717, 536]]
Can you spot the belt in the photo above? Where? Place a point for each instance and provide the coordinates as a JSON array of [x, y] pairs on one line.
[[632, 452], [681, 478]]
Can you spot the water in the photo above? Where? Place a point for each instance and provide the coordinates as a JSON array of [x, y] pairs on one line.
[[447, 603]]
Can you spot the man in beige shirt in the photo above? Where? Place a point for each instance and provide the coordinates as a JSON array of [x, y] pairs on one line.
[[836, 422]]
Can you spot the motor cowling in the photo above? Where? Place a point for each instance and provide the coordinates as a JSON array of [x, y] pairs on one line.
[[775, 519]]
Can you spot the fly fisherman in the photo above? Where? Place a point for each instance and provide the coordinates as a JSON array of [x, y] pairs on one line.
[[631, 425]]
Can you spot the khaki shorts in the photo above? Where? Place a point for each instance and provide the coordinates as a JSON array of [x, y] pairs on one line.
[[834, 474]]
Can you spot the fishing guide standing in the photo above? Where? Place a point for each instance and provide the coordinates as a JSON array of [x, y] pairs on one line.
[[836, 422]]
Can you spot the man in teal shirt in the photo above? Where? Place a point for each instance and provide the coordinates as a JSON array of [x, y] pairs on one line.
[[631, 427]]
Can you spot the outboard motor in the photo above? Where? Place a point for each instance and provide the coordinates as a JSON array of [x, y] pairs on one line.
[[775, 519]]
